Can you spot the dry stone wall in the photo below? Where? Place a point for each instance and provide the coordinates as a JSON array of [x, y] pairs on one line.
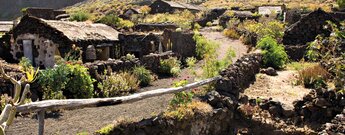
[[307, 28], [152, 61]]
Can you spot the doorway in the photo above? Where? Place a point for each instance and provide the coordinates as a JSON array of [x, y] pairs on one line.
[[27, 48]]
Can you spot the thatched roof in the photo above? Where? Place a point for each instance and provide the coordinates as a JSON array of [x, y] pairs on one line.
[[6, 26], [182, 5], [77, 31]]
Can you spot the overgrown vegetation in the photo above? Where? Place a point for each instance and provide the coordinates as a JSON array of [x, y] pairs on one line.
[[170, 66], [80, 16], [274, 29], [144, 76], [274, 54], [66, 80], [118, 84], [115, 21], [204, 48], [329, 51]]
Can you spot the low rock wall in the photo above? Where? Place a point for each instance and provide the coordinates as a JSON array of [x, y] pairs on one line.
[[152, 61]]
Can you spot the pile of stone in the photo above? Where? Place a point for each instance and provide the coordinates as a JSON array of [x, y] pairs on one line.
[[320, 105], [336, 126]]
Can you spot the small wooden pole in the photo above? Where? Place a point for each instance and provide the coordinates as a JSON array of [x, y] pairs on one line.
[[40, 116]]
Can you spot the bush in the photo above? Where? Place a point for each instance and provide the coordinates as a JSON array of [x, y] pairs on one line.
[[274, 29], [313, 77], [170, 66], [118, 84], [208, 24], [80, 16], [181, 99], [190, 62], [274, 55], [231, 33], [341, 3], [145, 76], [204, 47], [115, 21], [69, 80]]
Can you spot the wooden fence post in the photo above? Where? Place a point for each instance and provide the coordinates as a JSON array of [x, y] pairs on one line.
[[40, 116]]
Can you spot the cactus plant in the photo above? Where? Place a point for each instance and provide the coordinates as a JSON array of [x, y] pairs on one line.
[[8, 114]]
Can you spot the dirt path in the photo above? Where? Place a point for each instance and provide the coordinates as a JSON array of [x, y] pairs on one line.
[[225, 43], [279, 88], [70, 122]]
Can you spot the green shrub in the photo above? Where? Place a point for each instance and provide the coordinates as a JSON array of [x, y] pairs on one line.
[[204, 47], [208, 24], [115, 21], [274, 55], [118, 84], [145, 76], [341, 3], [313, 77], [170, 66], [181, 99], [69, 80], [25, 64], [80, 16], [191, 62], [274, 29], [180, 83]]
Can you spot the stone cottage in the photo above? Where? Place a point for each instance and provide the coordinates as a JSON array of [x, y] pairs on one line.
[[40, 40], [163, 6]]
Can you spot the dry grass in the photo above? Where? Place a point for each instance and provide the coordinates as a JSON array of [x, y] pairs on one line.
[[315, 75], [231, 33], [188, 111]]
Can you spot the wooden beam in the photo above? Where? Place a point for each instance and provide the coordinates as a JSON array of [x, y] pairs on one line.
[[81, 103], [40, 116]]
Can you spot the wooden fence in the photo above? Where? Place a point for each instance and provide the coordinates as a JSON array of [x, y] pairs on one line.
[[42, 106]]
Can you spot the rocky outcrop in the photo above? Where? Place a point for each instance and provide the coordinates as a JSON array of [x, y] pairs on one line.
[[296, 52], [307, 28]]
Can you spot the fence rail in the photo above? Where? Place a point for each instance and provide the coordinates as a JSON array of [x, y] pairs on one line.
[[41, 106]]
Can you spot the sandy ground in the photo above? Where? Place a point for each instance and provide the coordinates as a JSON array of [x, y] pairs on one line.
[[279, 88]]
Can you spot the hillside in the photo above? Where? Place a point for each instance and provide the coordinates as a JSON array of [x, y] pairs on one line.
[[10, 9]]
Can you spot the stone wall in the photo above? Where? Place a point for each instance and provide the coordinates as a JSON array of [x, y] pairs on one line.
[[296, 52], [98, 67], [152, 61], [320, 105], [155, 27], [307, 28], [181, 43], [43, 50], [335, 127], [213, 14], [239, 75], [44, 13], [141, 44]]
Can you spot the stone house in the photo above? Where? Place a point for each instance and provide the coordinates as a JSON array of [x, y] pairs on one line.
[[40, 40], [127, 14], [163, 6]]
